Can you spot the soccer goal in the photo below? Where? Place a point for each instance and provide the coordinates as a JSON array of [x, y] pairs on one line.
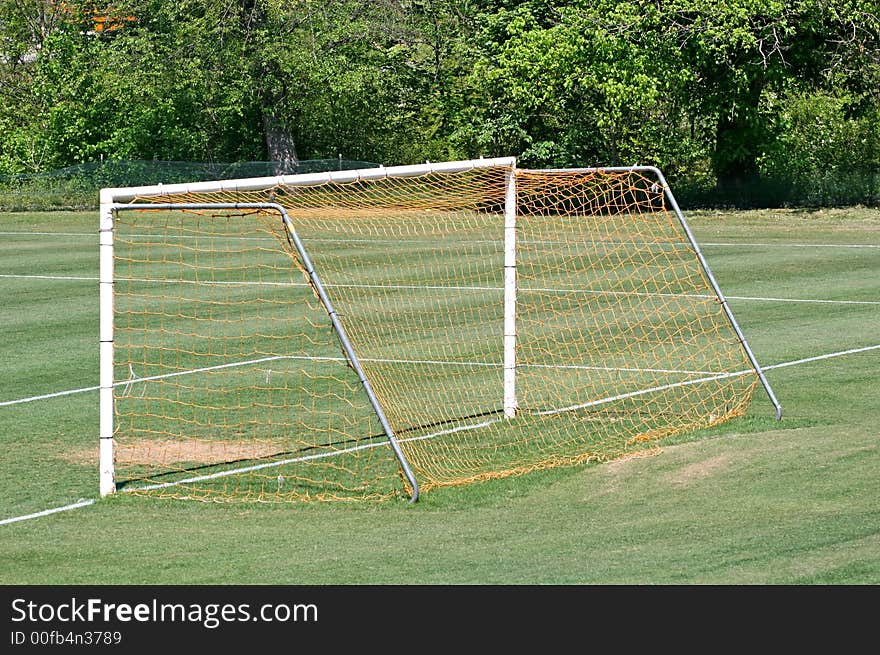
[[376, 333]]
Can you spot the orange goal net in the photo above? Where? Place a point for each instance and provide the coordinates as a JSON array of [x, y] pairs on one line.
[[504, 320]]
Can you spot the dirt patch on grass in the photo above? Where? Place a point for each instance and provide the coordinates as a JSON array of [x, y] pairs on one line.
[[698, 470], [616, 464], [618, 468], [191, 451]]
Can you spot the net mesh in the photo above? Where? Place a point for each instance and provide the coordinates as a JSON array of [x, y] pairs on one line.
[[233, 385]]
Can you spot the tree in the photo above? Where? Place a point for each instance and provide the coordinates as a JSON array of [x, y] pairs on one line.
[[572, 85], [746, 55], [25, 25], [719, 91], [686, 84]]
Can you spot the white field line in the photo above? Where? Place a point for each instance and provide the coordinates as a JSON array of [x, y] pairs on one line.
[[817, 358], [256, 467], [84, 503], [805, 300], [716, 244], [262, 360], [781, 244], [50, 277], [712, 375], [417, 287], [641, 392], [46, 512], [46, 396], [710, 378], [12, 233]]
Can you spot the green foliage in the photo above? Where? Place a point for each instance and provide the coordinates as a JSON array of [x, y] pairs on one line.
[[580, 89], [721, 95], [818, 132]]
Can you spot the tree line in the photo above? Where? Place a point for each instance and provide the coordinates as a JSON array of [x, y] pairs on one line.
[[722, 95]]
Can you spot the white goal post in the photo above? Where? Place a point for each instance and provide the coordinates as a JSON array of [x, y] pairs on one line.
[[597, 322]]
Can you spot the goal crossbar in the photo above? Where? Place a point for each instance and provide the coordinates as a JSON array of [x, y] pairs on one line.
[[127, 194]]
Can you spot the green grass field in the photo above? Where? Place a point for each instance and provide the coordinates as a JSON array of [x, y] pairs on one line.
[[753, 501]]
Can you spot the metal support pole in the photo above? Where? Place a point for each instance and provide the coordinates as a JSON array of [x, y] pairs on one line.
[[727, 311]]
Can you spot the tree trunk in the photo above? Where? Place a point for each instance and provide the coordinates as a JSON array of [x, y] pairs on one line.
[[739, 140], [280, 145]]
